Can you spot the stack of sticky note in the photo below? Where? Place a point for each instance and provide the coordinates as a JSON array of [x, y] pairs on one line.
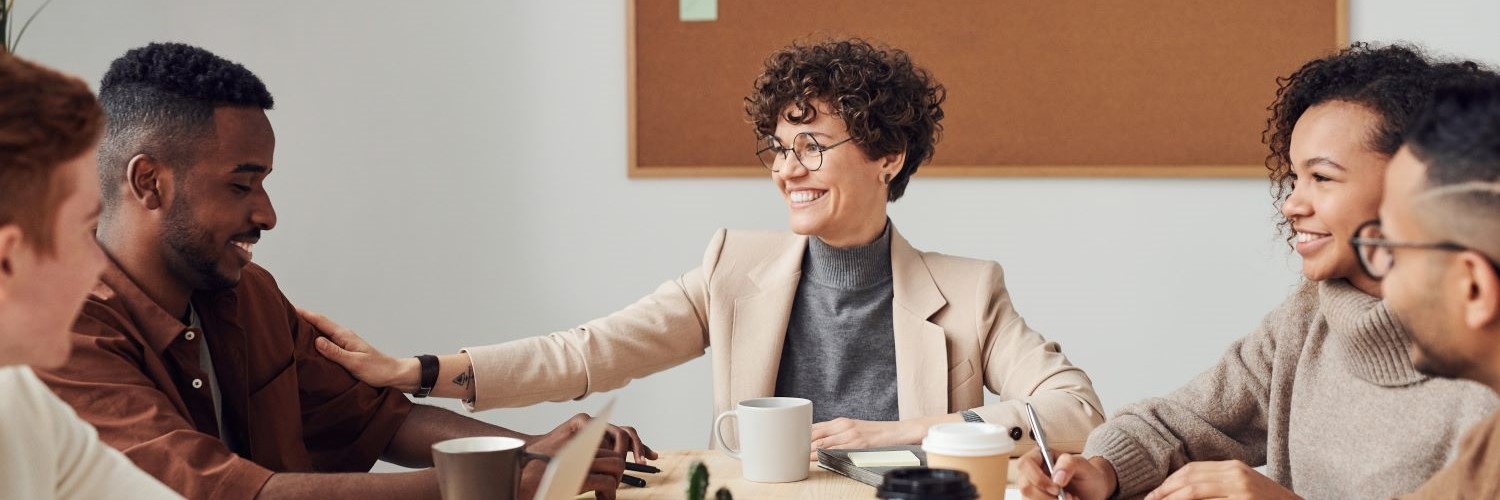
[[900, 458]]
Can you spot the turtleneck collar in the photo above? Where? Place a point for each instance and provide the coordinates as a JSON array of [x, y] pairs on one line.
[[851, 268], [1367, 335]]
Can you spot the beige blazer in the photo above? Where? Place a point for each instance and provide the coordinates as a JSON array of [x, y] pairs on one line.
[[956, 334]]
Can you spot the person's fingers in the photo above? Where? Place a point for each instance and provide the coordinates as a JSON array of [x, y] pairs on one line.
[[320, 322], [333, 352], [344, 337], [1184, 483], [846, 439], [1066, 468], [822, 444], [821, 430], [638, 448], [609, 463], [317, 320], [1031, 475], [604, 486], [1196, 491], [650, 452], [616, 439]]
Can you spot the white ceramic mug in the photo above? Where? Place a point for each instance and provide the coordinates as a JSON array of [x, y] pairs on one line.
[[775, 436]]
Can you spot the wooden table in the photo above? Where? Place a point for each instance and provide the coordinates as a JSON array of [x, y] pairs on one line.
[[671, 483]]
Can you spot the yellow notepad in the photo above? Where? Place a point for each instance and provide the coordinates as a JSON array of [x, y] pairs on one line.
[[900, 458]]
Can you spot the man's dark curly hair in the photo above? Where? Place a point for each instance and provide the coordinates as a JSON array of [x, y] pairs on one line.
[[1394, 82], [889, 104], [160, 99]]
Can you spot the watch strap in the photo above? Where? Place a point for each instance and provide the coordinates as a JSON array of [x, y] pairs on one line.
[[429, 375]]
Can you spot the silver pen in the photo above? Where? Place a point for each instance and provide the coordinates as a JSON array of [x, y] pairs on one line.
[[1041, 444]]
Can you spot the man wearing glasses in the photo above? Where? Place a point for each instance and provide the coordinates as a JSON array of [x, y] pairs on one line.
[[1441, 220]]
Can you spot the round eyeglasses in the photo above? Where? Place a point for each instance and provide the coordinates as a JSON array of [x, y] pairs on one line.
[[805, 147], [1375, 252]]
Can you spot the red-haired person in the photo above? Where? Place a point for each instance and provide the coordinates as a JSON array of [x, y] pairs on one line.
[[49, 203]]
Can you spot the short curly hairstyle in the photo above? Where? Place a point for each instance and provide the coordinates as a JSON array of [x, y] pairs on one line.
[[46, 120], [1394, 81], [160, 100], [890, 105]]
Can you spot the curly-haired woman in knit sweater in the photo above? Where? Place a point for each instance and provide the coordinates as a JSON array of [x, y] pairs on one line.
[[1322, 394]]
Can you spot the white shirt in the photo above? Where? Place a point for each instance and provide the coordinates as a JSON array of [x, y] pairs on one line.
[[46, 451]]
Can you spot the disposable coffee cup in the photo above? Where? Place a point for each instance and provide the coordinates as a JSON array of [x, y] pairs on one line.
[[981, 450], [922, 483], [479, 468]]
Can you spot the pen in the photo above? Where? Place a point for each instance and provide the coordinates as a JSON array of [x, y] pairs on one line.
[[1041, 443], [633, 481], [635, 467]]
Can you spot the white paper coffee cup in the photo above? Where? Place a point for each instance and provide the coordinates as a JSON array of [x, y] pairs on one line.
[[981, 450]]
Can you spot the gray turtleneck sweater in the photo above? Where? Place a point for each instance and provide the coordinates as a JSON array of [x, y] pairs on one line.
[[1323, 395], [840, 349]]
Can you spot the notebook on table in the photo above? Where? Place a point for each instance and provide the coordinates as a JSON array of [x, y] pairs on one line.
[[838, 461]]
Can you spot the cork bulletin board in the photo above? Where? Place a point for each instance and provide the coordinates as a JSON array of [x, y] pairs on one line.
[[1144, 88]]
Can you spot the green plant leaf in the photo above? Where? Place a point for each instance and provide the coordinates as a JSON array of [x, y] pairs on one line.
[[17, 42], [697, 481], [5, 23]]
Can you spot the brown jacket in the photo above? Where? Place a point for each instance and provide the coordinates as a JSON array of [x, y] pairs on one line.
[[956, 334], [1475, 473], [135, 376]]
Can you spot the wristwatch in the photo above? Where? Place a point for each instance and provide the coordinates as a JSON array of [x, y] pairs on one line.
[[429, 375]]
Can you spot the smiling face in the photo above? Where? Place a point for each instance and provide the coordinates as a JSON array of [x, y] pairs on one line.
[[844, 202], [44, 292], [1337, 182], [221, 207]]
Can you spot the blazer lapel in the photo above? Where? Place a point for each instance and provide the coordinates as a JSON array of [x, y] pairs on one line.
[[760, 322], [921, 346]]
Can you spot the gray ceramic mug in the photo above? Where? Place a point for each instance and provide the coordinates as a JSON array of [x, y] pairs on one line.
[[479, 468]]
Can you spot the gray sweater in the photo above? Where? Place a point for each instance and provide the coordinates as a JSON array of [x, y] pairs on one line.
[[1323, 395], [840, 349]]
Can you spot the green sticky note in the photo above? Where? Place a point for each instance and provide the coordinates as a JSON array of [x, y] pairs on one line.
[[698, 10]]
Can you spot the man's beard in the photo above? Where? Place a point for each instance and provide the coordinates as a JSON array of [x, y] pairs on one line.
[[191, 254]]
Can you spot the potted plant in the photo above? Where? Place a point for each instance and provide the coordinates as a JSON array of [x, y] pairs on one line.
[[9, 36]]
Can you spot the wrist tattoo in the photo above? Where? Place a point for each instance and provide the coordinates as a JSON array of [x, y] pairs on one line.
[[463, 379]]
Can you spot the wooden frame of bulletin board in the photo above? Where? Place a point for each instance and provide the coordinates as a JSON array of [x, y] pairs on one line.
[[1146, 88]]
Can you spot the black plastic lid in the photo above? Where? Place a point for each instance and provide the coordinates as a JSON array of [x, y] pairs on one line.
[[913, 483]]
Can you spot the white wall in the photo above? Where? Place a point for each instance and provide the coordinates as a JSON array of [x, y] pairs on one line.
[[454, 175]]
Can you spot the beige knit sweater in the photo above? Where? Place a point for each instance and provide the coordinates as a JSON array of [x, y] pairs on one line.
[[1323, 395]]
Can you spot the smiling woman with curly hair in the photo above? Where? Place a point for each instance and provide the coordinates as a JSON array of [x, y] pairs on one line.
[[1322, 394], [884, 339]]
